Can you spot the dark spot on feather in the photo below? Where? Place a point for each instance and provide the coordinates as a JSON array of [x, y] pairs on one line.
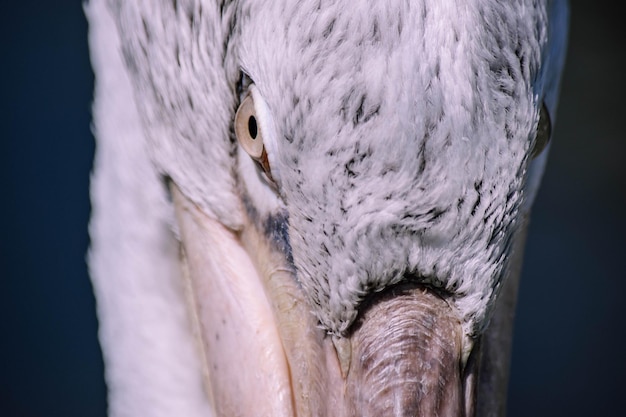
[[371, 114], [387, 169], [509, 196], [146, 30], [191, 18], [222, 7], [340, 40], [436, 213], [489, 211], [422, 160], [229, 34], [375, 32], [329, 29], [478, 187], [359, 111], [399, 27], [177, 55], [166, 180], [342, 208], [349, 165]]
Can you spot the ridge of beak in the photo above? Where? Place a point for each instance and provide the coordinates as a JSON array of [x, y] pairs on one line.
[[266, 355]]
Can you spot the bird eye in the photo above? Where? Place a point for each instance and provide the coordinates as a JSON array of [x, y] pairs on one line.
[[249, 134], [544, 131]]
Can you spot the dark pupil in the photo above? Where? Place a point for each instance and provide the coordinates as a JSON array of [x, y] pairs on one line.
[[252, 127]]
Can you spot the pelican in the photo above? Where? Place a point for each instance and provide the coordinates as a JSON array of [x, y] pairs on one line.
[[315, 207]]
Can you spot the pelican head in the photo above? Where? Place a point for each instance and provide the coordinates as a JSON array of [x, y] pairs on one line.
[[315, 208]]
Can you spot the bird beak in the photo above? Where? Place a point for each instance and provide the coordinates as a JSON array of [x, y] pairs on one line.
[[265, 354]]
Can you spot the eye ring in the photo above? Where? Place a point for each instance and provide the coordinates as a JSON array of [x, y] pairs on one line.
[[247, 130], [249, 134], [544, 132]]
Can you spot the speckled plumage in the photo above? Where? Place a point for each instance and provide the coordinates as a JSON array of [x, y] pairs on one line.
[[403, 130], [402, 150], [399, 132]]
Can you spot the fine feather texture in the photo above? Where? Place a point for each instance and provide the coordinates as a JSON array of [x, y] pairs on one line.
[[403, 133], [402, 130], [175, 53], [400, 138]]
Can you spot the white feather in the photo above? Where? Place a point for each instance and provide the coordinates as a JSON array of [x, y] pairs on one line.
[[152, 366]]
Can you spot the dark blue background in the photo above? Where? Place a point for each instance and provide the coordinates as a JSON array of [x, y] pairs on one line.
[[568, 357]]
